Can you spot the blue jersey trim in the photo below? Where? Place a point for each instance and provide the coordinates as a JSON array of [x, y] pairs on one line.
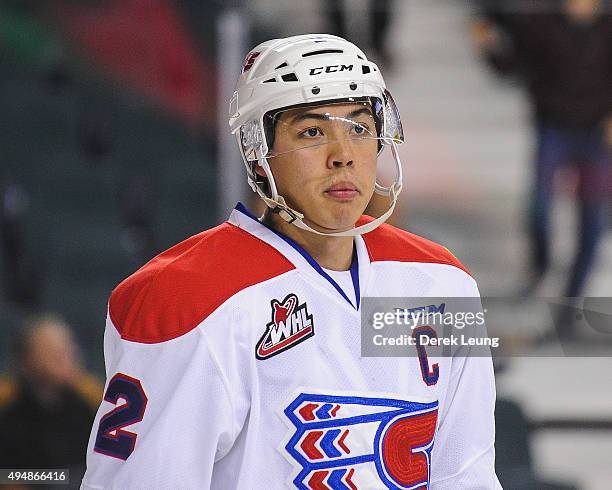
[[354, 269], [355, 274]]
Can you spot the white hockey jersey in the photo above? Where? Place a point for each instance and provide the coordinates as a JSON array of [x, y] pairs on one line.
[[233, 362]]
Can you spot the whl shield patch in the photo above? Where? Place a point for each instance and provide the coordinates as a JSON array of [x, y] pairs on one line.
[[290, 325]]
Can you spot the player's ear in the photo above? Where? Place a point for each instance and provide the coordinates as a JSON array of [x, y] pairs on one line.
[[259, 170]]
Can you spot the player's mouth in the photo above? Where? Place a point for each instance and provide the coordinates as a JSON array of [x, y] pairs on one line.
[[342, 191]]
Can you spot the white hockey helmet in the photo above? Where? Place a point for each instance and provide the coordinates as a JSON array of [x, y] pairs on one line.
[[311, 69]]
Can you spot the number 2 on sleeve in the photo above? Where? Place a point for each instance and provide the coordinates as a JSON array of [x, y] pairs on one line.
[[111, 439]]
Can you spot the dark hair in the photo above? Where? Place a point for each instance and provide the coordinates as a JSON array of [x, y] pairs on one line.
[[270, 120], [261, 180]]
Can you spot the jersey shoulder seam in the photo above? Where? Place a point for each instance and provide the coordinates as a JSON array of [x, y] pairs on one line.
[[388, 243], [159, 296]]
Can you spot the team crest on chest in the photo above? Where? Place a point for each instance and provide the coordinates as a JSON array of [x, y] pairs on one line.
[[291, 324], [351, 441]]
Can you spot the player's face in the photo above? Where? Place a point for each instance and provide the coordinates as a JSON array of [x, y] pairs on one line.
[[324, 162]]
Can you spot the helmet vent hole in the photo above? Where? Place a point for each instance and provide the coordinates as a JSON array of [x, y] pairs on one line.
[[322, 51], [289, 77], [360, 57], [365, 69], [269, 80], [282, 65]]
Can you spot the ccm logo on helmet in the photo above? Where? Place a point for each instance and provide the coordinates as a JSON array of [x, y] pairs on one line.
[[330, 69]]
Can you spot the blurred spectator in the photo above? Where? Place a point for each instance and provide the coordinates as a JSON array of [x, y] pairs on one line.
[[379, 16], [138, 215], [514, 464], [22, 277], [564, 54], [94, 133], [48, 407]]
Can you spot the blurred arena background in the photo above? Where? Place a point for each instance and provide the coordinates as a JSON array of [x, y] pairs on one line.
[[114, 146]]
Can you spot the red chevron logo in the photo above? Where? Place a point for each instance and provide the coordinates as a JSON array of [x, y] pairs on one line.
[[316, 481], [308, 445], [349, 480], [307, 411], [341, 442]]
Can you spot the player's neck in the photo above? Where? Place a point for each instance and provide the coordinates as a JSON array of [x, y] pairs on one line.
[[334, 253]]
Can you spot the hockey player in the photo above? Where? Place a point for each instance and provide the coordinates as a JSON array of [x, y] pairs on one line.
[[233, 359]]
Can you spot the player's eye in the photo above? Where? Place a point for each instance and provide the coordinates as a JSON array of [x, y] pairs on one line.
[[311, 132], [360, 129]]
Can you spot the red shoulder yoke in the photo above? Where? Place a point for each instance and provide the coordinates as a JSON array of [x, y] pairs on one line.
[[175, 291], [388, 243]]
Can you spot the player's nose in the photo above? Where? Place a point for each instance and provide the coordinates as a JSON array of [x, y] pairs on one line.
[[340, 154]]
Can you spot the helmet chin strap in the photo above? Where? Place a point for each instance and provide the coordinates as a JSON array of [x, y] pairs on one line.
[[279, 206]]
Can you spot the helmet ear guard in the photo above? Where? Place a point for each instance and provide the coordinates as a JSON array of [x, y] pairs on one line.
[[303, 71]]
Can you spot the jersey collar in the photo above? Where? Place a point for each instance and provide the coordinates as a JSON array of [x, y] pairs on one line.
[[300, 258]]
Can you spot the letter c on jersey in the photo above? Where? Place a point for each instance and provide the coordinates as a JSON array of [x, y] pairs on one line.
[[430, 374], [121, 444]]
